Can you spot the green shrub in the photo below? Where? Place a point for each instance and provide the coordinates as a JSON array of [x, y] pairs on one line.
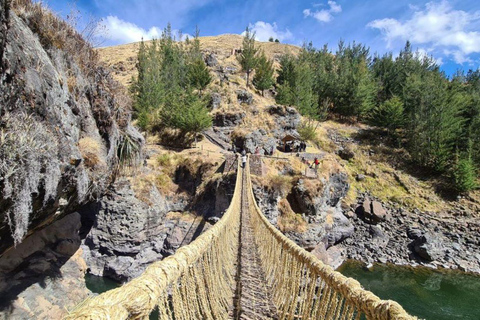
[[465, 175]]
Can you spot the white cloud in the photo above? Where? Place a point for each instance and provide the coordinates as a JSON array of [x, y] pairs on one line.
[[334, 7], [120, 31], [438, 26], [324, 15], [264, 31]]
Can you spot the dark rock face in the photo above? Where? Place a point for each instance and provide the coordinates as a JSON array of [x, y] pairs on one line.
[[228, 119], [47, 264], [127, 234], [318, 202], [413, 238], [211, 60], [65, 118], [244, 96]]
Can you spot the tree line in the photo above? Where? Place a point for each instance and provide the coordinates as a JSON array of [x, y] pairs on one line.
[[434, 117]]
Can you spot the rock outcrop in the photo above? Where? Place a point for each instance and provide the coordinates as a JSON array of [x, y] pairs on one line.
[[62, 121], [128, 234], [44, 274]]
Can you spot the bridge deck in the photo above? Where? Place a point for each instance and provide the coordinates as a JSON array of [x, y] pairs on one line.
[[252, 297]]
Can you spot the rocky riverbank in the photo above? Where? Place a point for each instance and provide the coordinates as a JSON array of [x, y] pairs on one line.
[[374, 232], [386, 234]]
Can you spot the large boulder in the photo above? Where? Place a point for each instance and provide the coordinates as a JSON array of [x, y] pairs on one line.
[[244, 96], [123, 228], [333, 256], [429, 247], [211, 60], [230, 119], [371, 212]]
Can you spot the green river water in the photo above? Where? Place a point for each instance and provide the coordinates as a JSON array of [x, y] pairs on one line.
[[425, 293]]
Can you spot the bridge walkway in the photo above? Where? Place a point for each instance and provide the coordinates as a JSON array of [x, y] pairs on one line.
[[252, 298]]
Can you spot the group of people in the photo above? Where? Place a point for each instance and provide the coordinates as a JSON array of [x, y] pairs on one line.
[[295, 147]]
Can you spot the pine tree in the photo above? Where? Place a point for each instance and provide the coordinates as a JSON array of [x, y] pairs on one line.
[[169, 71], [465, 174], [389, 115], [198, 74], [248, 57], [263, 78], [286, 81]]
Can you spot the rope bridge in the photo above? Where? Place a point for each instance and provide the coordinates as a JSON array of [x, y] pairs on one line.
[[204, 280]]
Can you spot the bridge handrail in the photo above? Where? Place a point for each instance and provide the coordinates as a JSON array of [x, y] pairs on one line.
[[201, 271], [304, 287]]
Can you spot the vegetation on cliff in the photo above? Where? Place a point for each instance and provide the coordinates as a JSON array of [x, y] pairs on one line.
[[435, 118], [169, 72]]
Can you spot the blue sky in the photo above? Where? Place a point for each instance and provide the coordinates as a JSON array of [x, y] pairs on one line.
[[448, 30]]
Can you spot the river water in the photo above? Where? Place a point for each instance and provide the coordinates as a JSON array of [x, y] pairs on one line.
[[426, 293]]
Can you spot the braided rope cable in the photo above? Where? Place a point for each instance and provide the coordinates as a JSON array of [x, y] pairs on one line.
[[195, 283], [303, 287]]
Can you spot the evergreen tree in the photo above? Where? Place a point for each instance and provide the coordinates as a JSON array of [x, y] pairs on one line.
[[389, 115], [263, 78], [465, 175], [248, 57], [168, 73]]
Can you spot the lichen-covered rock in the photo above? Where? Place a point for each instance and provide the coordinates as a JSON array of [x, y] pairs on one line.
[[211, 60], [63, 122]]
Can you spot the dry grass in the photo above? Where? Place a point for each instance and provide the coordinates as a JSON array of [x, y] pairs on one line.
[[186, 216], [122, 58], [54, 32], [289, 220], [92, 151], [387, 184]]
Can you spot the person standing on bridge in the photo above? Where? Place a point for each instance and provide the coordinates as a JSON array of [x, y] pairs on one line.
[[244, 159]]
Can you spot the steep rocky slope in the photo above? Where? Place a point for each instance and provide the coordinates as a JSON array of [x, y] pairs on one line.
[[62, 120]]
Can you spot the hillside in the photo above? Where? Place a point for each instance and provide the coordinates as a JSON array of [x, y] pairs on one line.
[[361, 173], [122, 58]]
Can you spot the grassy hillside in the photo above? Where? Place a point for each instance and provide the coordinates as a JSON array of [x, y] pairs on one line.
[[387, 174], [122, 58]]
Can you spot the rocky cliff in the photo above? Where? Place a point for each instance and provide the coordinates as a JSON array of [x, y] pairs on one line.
[[62, 122]]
